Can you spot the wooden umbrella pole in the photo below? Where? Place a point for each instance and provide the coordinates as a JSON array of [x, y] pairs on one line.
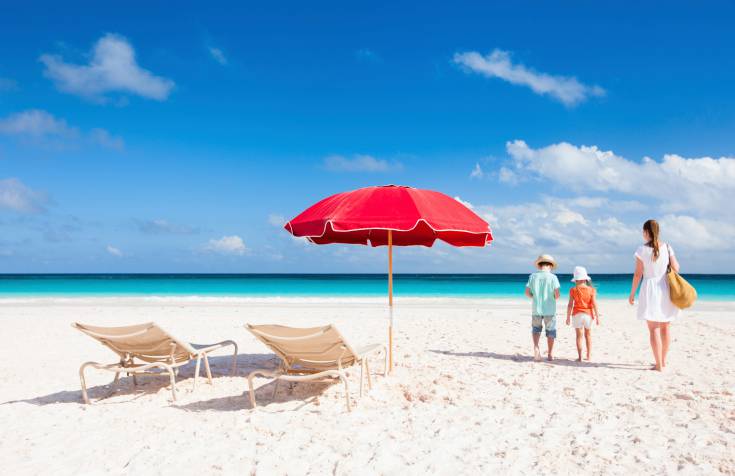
[[390, 300]]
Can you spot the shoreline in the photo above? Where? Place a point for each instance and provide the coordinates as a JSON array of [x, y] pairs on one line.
[[701, 304]]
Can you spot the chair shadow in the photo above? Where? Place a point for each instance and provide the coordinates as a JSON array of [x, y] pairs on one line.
[[304, 392], [528, 358], [220, 366]]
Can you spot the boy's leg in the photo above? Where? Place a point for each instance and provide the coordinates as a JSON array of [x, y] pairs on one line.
[[550, 323], [536, 334], [578, 332], [588, 341]]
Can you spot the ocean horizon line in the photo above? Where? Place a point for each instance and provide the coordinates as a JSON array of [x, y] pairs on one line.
[[473, 285]]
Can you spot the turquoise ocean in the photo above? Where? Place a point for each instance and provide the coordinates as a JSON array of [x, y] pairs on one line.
[[713, 287]]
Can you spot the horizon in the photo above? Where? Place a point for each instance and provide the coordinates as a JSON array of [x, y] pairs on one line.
[[147, 140]]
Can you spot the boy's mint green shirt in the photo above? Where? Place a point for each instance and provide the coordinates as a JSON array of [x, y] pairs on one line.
[[542, 285]]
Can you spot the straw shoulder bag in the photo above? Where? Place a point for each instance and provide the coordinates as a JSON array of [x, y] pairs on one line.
[[682, 293]]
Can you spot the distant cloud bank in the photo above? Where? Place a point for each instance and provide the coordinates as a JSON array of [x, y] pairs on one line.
[[112, 69], [498, 64], [16, 196]]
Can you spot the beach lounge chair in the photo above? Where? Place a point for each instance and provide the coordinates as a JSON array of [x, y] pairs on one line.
[[144, 347], [312, 354]]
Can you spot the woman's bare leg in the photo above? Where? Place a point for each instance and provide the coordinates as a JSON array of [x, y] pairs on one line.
[[579, 344], [655, 338], [588, 341], [665, 340]]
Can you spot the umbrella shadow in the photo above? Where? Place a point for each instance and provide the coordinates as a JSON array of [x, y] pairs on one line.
[[150, 384], [527, 358]]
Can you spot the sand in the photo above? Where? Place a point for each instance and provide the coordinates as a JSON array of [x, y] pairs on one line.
[[465, 396]]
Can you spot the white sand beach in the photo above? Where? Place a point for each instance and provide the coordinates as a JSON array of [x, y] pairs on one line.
[[465, 396]]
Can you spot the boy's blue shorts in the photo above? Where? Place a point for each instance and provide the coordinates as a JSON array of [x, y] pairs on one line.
[[549, 322]]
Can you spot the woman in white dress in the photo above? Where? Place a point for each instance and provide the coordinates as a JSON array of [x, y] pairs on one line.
[[654, 300]]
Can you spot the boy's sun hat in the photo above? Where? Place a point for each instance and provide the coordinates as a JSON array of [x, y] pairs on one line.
[[546, 259], [580, 274]]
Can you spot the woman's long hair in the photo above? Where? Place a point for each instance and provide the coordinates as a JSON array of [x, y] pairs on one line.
[[651, 228]]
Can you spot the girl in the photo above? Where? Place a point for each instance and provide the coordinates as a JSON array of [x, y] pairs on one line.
[[583, 307]]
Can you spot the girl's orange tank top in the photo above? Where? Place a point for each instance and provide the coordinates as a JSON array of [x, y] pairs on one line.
[[584, 298]]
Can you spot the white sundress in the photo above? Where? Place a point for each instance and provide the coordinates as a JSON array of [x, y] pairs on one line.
[[654, 300]]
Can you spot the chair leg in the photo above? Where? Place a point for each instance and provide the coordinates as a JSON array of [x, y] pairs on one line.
[[83, 381], [206, 367], [172, 377], [234, 360], [367, 371], [343, 378], [251, 389], [117, 377], [196, 370]]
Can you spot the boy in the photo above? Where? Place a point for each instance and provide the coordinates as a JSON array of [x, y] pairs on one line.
[[543, 289]]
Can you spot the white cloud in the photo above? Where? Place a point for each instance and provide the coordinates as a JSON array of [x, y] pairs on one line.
[[498, 64], [506, 175], [7, 84], [230, 245], [359, 163], [160, 226], [599, 240], [16, 196], [36, 123], [114, 251], [103, 138], [218, 55], [41, 126], [113, 68], [567, 217], [276, 220], [368, 55], [676, 183], [699, 234], [465, 203], [477, 172]]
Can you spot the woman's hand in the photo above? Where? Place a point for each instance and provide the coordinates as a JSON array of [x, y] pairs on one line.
[[568, 321], [631, 299]]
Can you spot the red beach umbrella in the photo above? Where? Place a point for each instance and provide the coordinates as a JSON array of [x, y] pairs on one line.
[[390, 215]]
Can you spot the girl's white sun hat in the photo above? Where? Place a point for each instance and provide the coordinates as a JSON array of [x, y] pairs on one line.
[[580, 274]]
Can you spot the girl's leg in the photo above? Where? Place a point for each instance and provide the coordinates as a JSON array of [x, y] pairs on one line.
[[665, 340], [588, 341], [579, 343], [655, 338]]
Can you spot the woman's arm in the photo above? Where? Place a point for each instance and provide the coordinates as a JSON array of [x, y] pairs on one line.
[[637, 275], [674, 263]]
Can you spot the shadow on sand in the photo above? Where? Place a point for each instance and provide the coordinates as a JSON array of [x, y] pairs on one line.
[[99, 394], [528, 358]]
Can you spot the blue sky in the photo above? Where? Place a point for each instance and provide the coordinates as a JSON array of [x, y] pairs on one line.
[[146, 139]]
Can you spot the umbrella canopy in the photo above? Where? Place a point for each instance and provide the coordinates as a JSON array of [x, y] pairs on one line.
[[414, 216], [391, 215]]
